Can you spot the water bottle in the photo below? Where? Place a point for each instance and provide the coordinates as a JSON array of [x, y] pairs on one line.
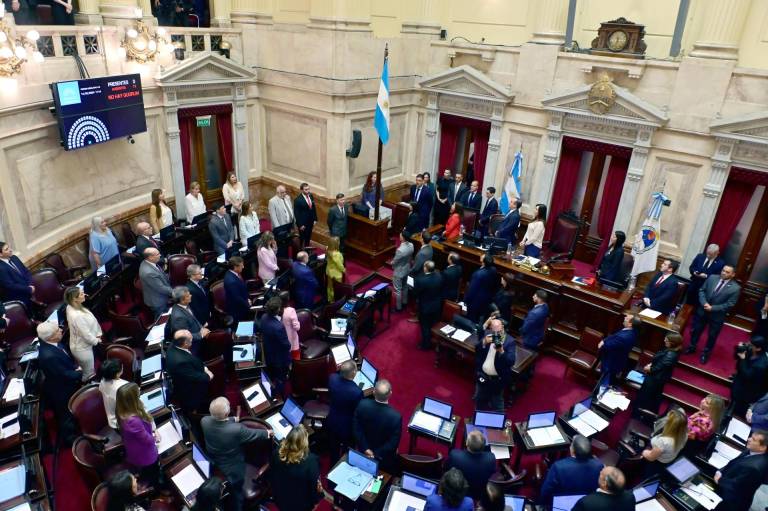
[[673, 315], [632, 283], [509, 250]]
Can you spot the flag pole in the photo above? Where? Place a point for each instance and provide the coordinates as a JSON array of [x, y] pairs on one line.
[[378, 160]]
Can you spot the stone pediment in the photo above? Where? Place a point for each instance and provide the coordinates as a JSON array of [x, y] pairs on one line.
[[751, 127], [468, 82], [626, 107], [206, 69]]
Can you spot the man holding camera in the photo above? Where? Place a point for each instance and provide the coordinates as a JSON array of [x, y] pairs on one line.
[[749, 382], [495, 358]]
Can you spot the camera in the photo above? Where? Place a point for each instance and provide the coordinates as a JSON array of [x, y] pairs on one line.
[[743, 347], [496, 339]]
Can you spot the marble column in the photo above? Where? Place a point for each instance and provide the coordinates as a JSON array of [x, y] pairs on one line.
[[252, 12], [242, 168], [546, 176], [550, 21], [711, 193], [174, 152], [721, 30], [494, 146], [342, 15], [88, 13], [635, 171], [431, 141], [220, 13], [422, 18]]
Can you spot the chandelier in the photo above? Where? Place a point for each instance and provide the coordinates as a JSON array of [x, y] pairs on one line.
[[143, 46], [15, 51]]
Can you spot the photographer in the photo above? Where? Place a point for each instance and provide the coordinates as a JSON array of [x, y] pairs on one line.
[[749, 382], [495, 358]]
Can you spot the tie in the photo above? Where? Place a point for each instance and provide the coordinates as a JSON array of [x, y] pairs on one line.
[[706, 265], [309, 201], [658, 282], [341, 210], [471, 197], [14, 267], [719, 287], [201, 287], [152, 240], [418, 191]]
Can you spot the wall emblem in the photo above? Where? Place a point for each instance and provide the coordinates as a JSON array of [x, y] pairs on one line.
[[601, 96]]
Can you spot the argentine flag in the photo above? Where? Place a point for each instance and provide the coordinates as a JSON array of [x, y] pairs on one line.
[[381, 121], [512, 186]]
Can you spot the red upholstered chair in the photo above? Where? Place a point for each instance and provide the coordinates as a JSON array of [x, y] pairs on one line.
[[312, 338], [450, 309], [406, 197], [494, 223], [309, 375], [177, 268], [127, 358], [219, 301], [343, 290], [131, 327], [584, 359], [49, 293], [507, 479], [217, 385], [469, 220], [562, 241], [68, 275], [257, 456], [420, 465], [93, 467], [87, 406], [21, 330], [217, 344], [100, 499]]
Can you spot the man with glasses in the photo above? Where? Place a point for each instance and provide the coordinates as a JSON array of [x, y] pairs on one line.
[[198, 288]]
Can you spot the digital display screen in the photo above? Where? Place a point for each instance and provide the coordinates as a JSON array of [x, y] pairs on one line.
[[151, 365], [362, 462], [351, 345], [292, 412], [682, 470], [266, 384], [514, 503], [437, 408], [489, 419], [368, 370], [565, 502], [582, 406], [541, 420], [97, 110], [201, 460], [418, 485], [646, 492]]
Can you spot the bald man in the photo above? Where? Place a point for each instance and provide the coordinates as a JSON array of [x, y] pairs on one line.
[[494, 360], [703, 265], [280, 208], [155, 284], [610, 495], [144, 239]]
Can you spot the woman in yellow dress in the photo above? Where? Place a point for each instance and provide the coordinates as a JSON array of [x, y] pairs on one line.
[[334, 265]]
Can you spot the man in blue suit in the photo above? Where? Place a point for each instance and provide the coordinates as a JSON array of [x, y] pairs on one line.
[[662, 289], [575, 475], [615, 349], [482, 287], [15, 279], [344, 396], [510, 224], [422, 196], [703, 265], [277, 347], [304, 282], [476, 463], [236, 291], [201, 303], [221, 229], [490, 209], [377, 426], [535, 321], [472, 198]]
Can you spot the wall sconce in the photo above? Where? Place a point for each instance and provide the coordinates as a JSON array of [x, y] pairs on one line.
[[224, 48], [14, 51], [178, 50], [141, 45]]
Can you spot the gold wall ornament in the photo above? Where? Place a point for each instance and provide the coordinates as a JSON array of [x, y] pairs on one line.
[[16, 51], [601, 96], [141, 45]]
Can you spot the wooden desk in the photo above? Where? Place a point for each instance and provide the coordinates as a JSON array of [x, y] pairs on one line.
[[414, 434], [367, 500], [509, 437], [525, 444], [178, 466], [36, 488], [30, 438], [264, 408], [368, 241]]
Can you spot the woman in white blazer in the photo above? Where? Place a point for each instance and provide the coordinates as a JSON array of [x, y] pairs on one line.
[[84, 330], [249, 222]]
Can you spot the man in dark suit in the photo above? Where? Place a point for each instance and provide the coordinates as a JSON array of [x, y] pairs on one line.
[[423, 255], [576, 475], [337, 220], [182, 318], [472, 197], [144, 239], [189, 375], [428, 290], [495, 356], [510, 224], [220, 227], [277, 347], [476, 463], [615, 350], [490, 209], [610, 495], [62, 376], [236, 291], [413, 222], [15, 279], [377, 426], [703, 265], [344, 397], [305, 209], [716, 297], [457, 189], [422, 196], [224, 440], [662, 289], [482, 286], [452, 275], [751, 379], [304, 282], [738, 481], [201, 302], [535, 321]]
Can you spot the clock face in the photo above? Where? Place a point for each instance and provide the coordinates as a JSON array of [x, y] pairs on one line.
[[617, 40]]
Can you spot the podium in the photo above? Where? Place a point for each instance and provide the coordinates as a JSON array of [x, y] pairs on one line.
[[367, 241]]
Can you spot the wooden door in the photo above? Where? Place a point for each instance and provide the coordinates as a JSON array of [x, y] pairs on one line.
[[206, 161], [752, 267], [589, 244]]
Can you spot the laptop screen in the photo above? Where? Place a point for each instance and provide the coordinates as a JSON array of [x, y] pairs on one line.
[[166, 232], [176, 423], [418, 485], [266, 384], [292, 412], [438, 408], [541, 420], [363, 462], [565, 502], [150, 365], [646, 492], [201, 460], [582, 406], [489, 419], [368, 370], [351, 345], [682, 470], [514, 503]]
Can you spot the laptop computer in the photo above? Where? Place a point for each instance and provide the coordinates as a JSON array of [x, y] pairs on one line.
[[565, 502], [150, 366], [581, 407], [416, 485], [91, 283], [514, 502], [155, 399], [343, 352], [434, 418], [645, 492], [541, 420], [363, 462], [201, 218], [113, 266], [366, 376], [290, 415], [682, 470], [167, 233], [201, 460], [491, 425]]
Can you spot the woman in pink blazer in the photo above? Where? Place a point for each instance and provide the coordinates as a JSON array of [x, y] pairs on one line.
[[267, 256], [292, 326]]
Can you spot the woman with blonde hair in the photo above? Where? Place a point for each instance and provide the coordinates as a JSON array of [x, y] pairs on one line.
[[295, 473], [233, 193], [84, 330], [249, 222], [704, 423], [194, 201], [160, 215], [102, 242], [334, 265], [267, 256], [669, 439], [140, 437]]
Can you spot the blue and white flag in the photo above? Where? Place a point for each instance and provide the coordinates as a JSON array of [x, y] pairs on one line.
[[512, 186], [381, 121], [645, 249]]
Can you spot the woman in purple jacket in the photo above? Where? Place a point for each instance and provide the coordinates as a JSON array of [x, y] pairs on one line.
[[137, 428]]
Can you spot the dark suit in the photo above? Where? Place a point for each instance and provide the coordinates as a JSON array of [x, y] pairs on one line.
[[190, 381], [662, 364], [62, 379], [749, 382], [615, 353], [454, 194], [490, 209], [760, 413], [337, 223], [699, 265], [599, 501], [422, 256], [14, 283], [277, 348], [662, 296], [740, 479], [472, 200], [305, 217], [508, 228], [143, 243], [482, 287], [184, 319], [451, 278], [344, 396], [305, 286], [477, 468], [490, 391], [534, 324], [236, 293], [428, 290], [413, 223], [424, 203], [612, 265], [721, 301], [201, 302], [570, 476], [761, 324], [377, 426], [221, 231]]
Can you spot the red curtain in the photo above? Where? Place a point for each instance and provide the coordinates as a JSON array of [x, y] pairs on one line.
[[567, 175], [481, 131], [449, 137], [224, 126], [609, 202], [734, 202], [185, 132], [481, 151]]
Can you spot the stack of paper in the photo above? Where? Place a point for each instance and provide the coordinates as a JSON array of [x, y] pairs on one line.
[[156, 335], [30, 355], [650, 505], [426, 422], [255, 395], [409, 281], [703, 495], [650, 313], [545, 436], [188, 480], [169, 437], [350, 481], [722, 454], [461, 335], [221, 258], [15, 389], [614, 400], [447, 329], [500, 452], [243, 353]]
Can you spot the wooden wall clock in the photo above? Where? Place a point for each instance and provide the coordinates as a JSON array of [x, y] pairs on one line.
[[620, 38]]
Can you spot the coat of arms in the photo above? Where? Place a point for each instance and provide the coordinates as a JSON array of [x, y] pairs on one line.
[[601, 96]]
